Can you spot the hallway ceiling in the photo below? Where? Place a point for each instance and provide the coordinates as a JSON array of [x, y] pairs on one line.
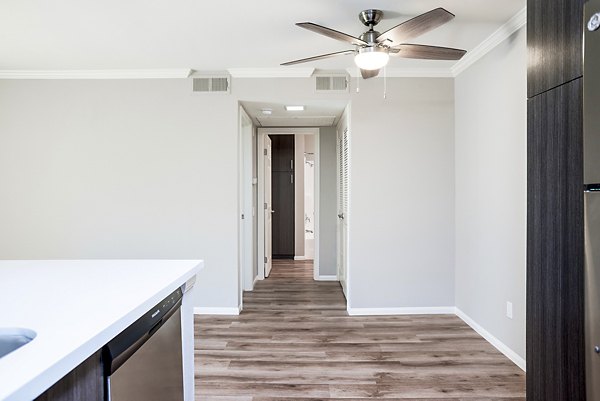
[[214, 36], [316, 114]]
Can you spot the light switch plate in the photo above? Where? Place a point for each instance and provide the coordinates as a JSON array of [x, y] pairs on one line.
[[509, 310]]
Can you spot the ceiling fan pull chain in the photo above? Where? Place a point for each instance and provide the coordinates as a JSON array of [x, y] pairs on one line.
[[357, 80], [384, 82]]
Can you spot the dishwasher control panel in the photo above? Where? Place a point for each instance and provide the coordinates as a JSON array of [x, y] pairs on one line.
[[171, 300], [157, 313]]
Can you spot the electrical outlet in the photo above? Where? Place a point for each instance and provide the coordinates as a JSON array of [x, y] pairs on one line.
[[509, 310]]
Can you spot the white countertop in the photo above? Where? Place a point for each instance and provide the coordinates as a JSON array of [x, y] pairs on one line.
[[75, 307]]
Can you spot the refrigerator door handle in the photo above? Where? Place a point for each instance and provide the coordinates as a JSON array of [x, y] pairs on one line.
[[592, 292], [591, 187]]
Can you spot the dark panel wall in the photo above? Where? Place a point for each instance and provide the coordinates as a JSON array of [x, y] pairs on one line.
[[554, 38], [555, 360], [555, 245]]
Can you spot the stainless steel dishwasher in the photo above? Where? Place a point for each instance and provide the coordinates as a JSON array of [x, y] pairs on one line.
[[144, 362]]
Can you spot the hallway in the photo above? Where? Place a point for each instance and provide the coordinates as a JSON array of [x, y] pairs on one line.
[[294, 340]]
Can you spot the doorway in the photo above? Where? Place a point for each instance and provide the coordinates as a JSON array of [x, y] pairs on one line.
[[287, 206], [316, 159]]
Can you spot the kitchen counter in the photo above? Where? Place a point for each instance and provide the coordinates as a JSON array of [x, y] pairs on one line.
[[76, 307]]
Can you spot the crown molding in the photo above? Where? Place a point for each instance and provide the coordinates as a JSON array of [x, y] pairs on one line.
[[408, 73], [518, 21], [96, 74], [277, 72]]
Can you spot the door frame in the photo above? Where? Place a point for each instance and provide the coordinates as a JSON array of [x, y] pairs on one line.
[[267, 214], [246, 212], [261, 188]]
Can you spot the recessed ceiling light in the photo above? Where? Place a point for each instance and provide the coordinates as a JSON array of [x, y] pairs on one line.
[[294, 108], [267, 112]]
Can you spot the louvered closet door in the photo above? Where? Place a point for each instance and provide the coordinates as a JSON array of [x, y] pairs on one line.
[[343, 191]]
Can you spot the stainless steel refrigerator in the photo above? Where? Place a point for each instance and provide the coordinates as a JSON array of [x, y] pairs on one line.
[[591, 160]]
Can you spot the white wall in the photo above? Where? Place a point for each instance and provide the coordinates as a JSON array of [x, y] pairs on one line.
[[402, 194], [327, 202], [247, 203], [145, 169], [299, 194], [128, 169], [491, 140], [121, 169]]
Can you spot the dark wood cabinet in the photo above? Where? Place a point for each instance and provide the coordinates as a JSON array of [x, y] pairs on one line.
[[283, 217], [554, 41], [555, 359], [282, 147], [85, 382], [283, 196], [555, 247]]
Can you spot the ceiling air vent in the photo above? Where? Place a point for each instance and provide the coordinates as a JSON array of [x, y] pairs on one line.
[[331, 83], [211, 85]]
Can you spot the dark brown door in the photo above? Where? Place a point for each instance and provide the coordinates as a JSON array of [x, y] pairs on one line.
[[283, 195]]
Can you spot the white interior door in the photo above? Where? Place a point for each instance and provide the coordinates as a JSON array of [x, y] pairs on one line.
[[268, 216], [342, 225]]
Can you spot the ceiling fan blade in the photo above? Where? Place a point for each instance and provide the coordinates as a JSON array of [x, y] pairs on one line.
[[427, 52], [416, 27], [366, 74], [322, 56], [332, 33]]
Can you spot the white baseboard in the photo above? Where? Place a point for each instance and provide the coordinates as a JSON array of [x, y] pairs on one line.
[[200, 310], [327, 278], [299, 257], [435, 310], [255, 280], [499, 345]]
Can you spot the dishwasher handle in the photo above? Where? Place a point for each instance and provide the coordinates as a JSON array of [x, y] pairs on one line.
[[125, 344]]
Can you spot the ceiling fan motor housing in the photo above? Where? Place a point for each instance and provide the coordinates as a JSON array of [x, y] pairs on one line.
[[370, 17], [370, 37]]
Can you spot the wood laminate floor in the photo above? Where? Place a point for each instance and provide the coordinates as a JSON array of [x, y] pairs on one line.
[[295, 341]]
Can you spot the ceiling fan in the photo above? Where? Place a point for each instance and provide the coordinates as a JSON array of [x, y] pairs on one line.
[[373, 49]]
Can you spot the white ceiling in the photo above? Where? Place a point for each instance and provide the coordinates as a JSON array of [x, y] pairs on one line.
[[216, 35], [221, 35]]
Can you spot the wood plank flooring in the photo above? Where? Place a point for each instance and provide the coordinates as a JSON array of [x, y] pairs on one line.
[[295, 341]]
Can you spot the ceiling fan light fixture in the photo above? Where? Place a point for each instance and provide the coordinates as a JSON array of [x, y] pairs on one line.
[[371, 58]]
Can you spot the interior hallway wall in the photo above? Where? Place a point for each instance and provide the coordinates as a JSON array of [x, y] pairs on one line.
[[146, 169], [491, 190], [128, 169], [299, 194], [327, 202], [401, 204], [121, 169]]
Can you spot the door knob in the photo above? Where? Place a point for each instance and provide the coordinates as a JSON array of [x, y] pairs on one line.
[[272, 211], [594, 23]]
